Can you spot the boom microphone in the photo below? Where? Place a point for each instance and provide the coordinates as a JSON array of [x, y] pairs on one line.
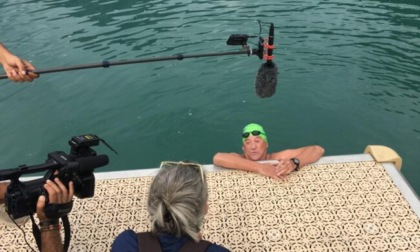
[[84, 165], [266, 81]]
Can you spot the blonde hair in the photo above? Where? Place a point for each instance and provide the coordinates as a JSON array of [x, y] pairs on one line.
[[177, 199]]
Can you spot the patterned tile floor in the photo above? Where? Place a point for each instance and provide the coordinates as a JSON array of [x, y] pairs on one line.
[[324, 207]]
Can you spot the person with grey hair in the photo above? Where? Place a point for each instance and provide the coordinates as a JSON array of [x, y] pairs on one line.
[[177, 203]]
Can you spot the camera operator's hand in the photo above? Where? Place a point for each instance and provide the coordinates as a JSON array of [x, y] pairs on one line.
[[50, 229]]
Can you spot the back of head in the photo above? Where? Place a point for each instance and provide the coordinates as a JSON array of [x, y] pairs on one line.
[[177, 199]]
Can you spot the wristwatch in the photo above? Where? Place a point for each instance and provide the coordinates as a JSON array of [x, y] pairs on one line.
[[296, 162]]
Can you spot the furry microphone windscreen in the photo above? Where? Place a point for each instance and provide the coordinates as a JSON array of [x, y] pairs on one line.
[[266, 81]]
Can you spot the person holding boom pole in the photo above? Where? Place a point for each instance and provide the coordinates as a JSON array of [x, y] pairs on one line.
[[16, 68]]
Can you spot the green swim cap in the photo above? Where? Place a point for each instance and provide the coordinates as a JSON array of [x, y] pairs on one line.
[[252, 127]]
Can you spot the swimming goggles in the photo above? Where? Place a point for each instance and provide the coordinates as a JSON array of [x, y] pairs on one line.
[[254, 133]]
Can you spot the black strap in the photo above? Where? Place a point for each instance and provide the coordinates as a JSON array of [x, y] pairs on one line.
[[67, 236], [149, 241], [56, 211]]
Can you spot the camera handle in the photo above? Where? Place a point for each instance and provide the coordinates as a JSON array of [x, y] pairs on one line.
[[55, 211], [66, 226]]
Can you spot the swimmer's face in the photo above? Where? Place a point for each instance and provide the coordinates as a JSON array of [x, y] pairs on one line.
[[255, 148]]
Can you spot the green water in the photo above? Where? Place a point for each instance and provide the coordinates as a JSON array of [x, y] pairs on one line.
[[349, 76]]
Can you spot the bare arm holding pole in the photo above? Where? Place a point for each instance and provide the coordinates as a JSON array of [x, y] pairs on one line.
[[16, 69]]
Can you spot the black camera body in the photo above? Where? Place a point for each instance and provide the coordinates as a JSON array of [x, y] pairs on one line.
[[78, 166]]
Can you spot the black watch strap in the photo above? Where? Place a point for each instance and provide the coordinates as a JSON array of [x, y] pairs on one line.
[[296, 162]]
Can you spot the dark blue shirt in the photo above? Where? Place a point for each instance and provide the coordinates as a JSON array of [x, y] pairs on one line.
[[127, 242]]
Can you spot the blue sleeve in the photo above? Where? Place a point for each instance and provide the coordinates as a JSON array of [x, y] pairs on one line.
[[125, 242], [216, 248]]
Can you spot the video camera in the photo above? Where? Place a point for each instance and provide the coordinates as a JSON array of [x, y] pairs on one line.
[[77, 166]]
